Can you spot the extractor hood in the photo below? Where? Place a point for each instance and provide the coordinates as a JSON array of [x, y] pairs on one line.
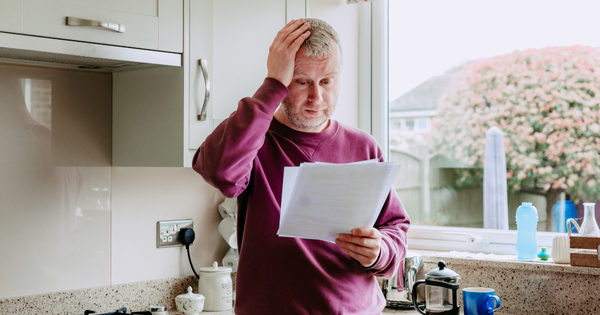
[[26, 49]]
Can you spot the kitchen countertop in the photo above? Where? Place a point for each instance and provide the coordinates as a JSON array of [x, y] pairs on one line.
[[383, 312], [524, 287], [415, 312]]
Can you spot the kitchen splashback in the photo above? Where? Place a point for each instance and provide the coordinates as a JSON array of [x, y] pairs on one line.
[[55, 135]]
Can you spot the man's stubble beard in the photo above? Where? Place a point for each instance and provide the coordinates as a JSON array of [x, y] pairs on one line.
[[300, 122]]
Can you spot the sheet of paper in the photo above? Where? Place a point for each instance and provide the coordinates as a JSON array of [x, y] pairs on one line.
[[322, 200], [290, 174]]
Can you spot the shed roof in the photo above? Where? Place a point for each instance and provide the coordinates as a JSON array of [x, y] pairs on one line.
[[426, 95]]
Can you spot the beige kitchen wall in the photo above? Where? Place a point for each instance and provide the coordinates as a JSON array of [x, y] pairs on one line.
[[144, 195], [55, 156], [68, 218]]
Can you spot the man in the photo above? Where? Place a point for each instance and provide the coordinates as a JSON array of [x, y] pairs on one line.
[[245, 156]]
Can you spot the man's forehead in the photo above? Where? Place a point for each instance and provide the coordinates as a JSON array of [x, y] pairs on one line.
[[299, 73], [307, 65]]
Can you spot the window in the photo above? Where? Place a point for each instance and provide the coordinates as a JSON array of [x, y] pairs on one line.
[[517, 69], [423, 124]]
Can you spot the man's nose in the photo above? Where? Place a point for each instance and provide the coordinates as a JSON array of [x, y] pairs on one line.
[[315, 94]]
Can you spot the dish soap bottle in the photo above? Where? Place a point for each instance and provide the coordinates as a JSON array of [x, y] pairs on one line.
[[527, 220], [561, 212]]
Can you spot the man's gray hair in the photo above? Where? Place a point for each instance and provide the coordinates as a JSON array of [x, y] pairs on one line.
[[318, 44]]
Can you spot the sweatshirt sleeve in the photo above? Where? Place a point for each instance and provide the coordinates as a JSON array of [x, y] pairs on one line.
[[392, 223], [226, 157]]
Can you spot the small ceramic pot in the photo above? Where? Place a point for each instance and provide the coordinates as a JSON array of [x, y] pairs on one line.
[[190, 303], [561, 249]]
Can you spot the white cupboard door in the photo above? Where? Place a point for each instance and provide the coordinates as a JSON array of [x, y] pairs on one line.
[[138, 24], [242, 32], [11, 16], [296, 9], [200, 48]]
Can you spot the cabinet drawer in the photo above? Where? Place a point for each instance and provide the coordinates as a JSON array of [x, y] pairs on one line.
[[48, 18]]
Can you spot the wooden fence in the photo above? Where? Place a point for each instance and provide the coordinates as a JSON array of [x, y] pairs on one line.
[[428, 193]]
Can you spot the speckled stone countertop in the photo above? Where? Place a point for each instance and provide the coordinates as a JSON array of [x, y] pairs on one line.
[[384, 312], [414, 312], [524, 287], [135, 296]]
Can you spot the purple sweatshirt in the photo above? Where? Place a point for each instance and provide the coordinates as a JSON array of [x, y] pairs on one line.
[[244, 157]]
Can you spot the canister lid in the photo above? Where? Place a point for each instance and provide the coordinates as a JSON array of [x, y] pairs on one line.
[[190, 295], [216, 269], [442, 272]]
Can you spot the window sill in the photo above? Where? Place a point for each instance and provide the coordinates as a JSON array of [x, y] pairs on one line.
[[476, 240], [503, 261]]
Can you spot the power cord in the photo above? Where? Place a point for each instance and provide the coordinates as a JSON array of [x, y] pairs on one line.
[[186, 237]]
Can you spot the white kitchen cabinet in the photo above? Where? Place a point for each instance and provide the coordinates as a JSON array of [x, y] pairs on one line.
[[11, 16], [155, 110], [146, 24]]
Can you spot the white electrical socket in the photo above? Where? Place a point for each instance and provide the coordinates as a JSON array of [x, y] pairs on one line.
[[167, 232]]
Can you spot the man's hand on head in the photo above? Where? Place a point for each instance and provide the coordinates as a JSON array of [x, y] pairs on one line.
[[363, 244], [282, 53]]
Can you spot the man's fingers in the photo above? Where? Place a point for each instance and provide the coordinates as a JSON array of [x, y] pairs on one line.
[[360, 258], [358, 248], [359, 241], [282, 53], [291, 36], [287, 30], [363, 244], [366, 256], [298, 42], [367, 232], [300, 31]]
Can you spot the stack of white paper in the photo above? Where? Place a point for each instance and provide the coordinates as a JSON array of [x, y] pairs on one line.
[[322, 200]]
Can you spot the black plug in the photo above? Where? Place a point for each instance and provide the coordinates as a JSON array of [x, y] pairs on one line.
[[186, 237]]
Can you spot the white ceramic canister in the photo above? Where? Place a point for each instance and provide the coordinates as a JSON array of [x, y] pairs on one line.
[[216, 286], [190, 303], [561, 249]]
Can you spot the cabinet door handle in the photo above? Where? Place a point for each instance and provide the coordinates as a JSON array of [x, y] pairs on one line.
[[73, 21], [202, 111]]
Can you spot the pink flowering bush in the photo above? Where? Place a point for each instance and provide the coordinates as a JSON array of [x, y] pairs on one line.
[[547, 103]]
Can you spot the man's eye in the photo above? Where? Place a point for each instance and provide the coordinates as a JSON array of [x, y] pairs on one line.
[[325, 81], [302, 82]]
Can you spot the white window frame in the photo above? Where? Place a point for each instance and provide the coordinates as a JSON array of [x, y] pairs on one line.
[[374, 118]]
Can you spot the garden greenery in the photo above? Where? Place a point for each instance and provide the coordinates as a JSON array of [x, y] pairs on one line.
[[547, 103]]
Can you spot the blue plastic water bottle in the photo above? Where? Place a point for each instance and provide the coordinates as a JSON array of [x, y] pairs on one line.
[[561, 212], [527, 220]]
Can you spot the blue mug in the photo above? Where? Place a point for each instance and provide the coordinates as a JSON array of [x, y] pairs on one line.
[[480, 301]]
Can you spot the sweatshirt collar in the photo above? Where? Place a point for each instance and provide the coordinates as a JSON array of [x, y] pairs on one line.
[[290, 133]]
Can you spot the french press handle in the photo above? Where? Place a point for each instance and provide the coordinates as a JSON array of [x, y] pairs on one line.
[[414, 296]]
